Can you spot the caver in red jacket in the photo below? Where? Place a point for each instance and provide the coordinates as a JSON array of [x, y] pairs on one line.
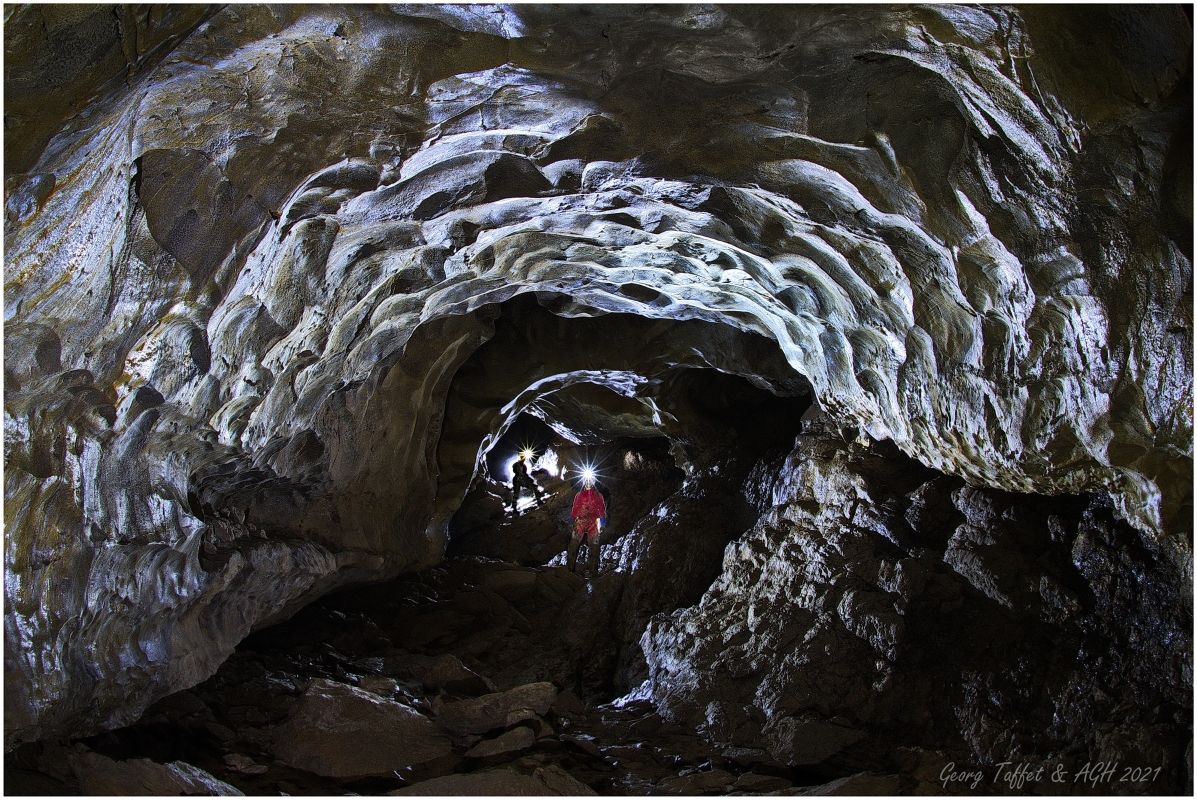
[[588, 508]]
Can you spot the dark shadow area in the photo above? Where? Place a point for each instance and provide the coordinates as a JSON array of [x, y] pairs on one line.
[[676, 500]]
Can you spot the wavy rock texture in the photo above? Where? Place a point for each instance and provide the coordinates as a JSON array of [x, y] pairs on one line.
[[241, 281]]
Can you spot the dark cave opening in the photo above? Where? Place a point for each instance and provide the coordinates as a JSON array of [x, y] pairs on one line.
[[687, 474], [644, 445], [526, 432], [637, 474]]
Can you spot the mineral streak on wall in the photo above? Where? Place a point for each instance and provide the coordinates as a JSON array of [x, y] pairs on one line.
[[243, 271]]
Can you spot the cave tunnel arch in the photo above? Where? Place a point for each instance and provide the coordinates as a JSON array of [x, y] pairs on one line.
[[459, 378], [535, 353]]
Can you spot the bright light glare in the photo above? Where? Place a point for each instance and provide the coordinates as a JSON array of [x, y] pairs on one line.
[[527, 454], [588, 472]]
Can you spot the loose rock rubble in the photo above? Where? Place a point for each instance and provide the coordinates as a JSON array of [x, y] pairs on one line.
[[98, 775], [338, 700], [880, 606]]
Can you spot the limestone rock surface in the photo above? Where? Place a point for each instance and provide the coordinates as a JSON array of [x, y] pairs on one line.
[[99, 775], [878, 605], [1095, 667], [342, 732], [497, 710], [512, 741], [501, 782], [860, 785], [245, 281]]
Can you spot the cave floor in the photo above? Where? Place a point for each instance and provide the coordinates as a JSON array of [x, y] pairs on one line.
[[435, 642]]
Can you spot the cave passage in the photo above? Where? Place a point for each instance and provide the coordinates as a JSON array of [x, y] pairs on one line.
[[543, 680], [744, 520], [503, 612], [635, 472]]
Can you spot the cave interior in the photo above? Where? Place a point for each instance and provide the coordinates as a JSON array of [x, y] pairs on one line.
[[875, 322]]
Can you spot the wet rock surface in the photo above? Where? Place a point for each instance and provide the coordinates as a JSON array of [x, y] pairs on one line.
[[98, 775], [878, 604], [543, 781], [240, 367], [341, 732]]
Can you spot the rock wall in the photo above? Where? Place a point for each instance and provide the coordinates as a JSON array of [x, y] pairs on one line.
[[240, 281], [879, 607]]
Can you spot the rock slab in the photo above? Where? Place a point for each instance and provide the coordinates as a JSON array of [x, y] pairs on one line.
[[100, 775], [805, 742], [515, 739], [498, 710], [862, 784], [339, 731], [501, 782]]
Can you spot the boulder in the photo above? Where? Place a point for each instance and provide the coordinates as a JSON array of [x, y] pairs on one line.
[[243, 763], [448, 673], [512, 741], [583, 742], [804, 742], [747, 756], [568, 704], [755, 783], [501, 782], [497, 710], [339, 731], [560, 782], [697, 782], [379, 685], [100, 775], [862, 784]]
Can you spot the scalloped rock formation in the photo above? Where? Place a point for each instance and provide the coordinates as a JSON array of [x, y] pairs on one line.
[[245, 280]]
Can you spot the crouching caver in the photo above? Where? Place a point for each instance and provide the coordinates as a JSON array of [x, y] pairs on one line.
[[589, 507], [520, 479]]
